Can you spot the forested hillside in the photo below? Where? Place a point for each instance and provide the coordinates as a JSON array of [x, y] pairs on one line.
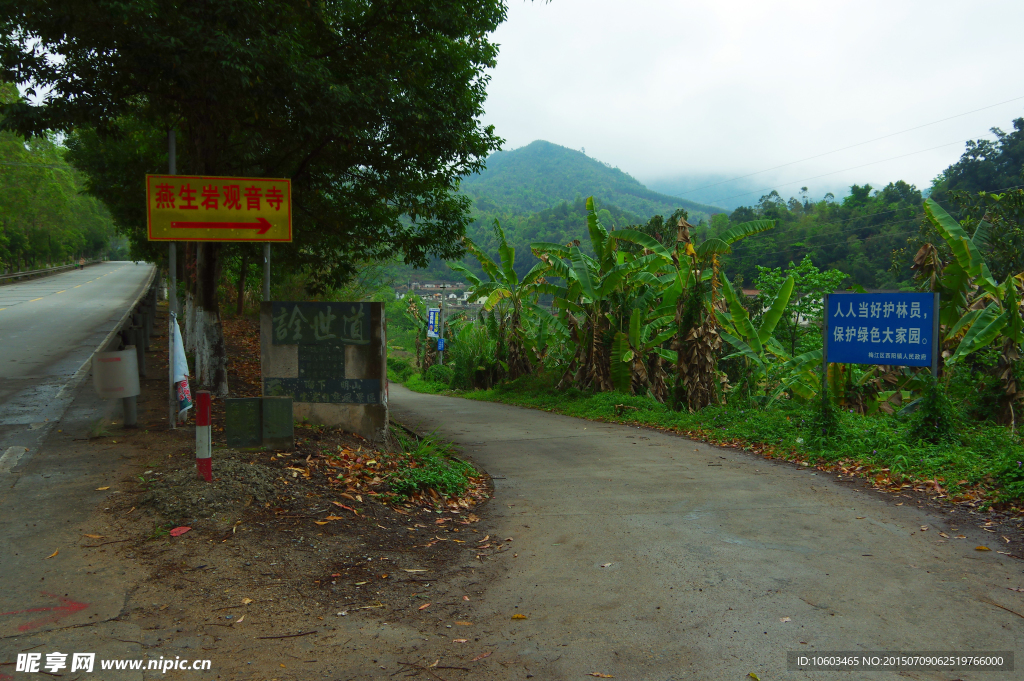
[[541, 175], [872, 234], [537, 193]]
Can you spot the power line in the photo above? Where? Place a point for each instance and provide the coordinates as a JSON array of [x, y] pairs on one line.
[[852, 146], [834, 172]]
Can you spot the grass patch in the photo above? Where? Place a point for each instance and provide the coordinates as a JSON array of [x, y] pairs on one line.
[[418, 384], [431, 465], [980, 463]]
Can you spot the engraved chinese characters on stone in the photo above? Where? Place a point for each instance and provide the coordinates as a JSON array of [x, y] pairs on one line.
[[321, 323]]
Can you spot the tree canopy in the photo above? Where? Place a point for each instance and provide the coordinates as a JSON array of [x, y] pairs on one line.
[[370, 108], [44, 217]]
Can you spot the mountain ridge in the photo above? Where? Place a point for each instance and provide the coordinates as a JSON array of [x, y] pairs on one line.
[[542, 175]]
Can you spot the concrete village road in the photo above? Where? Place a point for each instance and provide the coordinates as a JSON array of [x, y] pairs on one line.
[[649, 556]]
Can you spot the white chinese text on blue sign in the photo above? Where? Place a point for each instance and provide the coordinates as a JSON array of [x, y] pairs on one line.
[[880, 328]]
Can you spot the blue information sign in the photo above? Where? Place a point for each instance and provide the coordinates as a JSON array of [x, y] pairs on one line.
[[880, 328], [440, 344], [433, 315]]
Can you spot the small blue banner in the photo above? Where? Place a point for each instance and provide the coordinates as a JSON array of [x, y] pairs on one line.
[[440, 344], [880, 328], [433, 316]]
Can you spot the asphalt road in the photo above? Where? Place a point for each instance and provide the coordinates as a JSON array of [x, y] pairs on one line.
[[49, 328], [648, 556]]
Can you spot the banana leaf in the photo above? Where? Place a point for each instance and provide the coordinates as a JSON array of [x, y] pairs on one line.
[[671, 355], [548, 248], [776, 310], [598, 234], [963, 323], [488, 266], [713, 246], [964, 250], [984, 330], [1014, 325], [496, 295], [621, 374], [744, 350], [470, 277], [741, 319], [634, 327], [644, 240], [745, 229], [581, 273]]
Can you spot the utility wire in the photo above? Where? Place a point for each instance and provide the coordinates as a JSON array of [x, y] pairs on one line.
[[852, 146], [834, 172]]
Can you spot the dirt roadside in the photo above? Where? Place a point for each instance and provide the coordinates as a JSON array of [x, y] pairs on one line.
[[291, 567]]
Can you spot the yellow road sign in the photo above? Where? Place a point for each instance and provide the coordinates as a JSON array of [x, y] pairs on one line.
[[190, 208]]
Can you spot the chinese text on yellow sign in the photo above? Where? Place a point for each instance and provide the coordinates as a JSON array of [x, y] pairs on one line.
[[189, 208]]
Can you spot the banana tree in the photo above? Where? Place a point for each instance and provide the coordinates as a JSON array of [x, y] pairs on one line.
[[755, 345], [689, 296], [505, 299], [976, 310], [590, 300], [638, 356]]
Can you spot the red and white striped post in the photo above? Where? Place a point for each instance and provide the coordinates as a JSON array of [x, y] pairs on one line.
[[204, 436]]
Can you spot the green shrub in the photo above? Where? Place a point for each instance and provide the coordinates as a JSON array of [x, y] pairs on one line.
[[826, 423], [935, 419], [973, 385], [1011, 477], [440, 373], [399, 370]]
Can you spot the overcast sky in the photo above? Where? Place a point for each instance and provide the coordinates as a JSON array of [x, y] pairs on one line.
[[664, 88]]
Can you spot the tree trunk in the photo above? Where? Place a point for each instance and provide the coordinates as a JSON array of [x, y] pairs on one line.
[[210, 350], [242, 270]]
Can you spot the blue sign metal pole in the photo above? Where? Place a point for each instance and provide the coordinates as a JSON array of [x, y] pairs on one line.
[[824, 360], [935, 336]]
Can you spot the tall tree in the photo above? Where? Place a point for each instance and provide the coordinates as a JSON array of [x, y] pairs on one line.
[[371, 108]]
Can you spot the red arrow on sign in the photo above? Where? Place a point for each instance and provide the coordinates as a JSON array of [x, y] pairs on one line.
[[262, 225], [67, 607]]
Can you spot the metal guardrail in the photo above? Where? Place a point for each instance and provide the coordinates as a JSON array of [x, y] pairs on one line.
[[133, 329], [43, 272]]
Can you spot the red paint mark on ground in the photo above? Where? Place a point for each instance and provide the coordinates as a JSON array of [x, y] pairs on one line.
[[67, 607]]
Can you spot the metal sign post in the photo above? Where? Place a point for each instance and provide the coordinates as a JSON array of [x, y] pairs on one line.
[[824, 358], [172, 293], [935, 336], [266, 273], [440, 331]]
